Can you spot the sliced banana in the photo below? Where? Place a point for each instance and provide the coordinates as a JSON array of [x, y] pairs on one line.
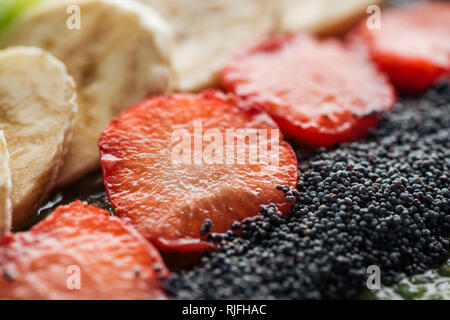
[[118, 56], [208, 31], [320, 16], [37, 108], [5, 188]]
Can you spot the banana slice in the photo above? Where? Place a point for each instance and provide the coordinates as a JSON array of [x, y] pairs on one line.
[[5, 188], [37, 107], [118, 56], [208, 31], [322, 17]]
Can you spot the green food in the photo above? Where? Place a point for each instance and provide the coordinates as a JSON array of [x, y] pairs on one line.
[[10, 10], [432, 285]]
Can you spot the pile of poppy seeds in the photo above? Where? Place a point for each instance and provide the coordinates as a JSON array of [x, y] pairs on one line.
[[382, 201]]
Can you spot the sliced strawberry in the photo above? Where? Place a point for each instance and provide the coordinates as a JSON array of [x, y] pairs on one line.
[[319, 92], [80, 242], [413, 44], [169, 201]]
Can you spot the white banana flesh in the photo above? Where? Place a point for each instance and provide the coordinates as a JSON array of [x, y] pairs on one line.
[[37, 108], [207, 32], [5, 188], [120, 54], [320, 16]]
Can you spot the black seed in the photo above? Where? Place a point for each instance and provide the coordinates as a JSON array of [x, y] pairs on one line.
[[8, 276], [235, 226], [206, 227], [382, 201], [137, 271]]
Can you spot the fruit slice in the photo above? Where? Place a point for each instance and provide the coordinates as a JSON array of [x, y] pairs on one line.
[[5, 188], [318, 91], [321, 16], [207, 32], [413, 44], [80, 252], [37, 104], [119, 55], [166, 183]]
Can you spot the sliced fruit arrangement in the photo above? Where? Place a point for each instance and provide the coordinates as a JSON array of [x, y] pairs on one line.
[[5, 188], [80, 252], [319, 92], [38, 105], [119, 55], [413, 44], [169, 201], [207, 32]]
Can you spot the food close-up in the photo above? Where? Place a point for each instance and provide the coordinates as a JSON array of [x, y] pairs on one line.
[[224, 150]]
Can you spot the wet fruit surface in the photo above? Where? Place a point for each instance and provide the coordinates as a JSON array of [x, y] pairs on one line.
[[413, 44], [169, 199], [319, 92], [80, 252], [382, 201]]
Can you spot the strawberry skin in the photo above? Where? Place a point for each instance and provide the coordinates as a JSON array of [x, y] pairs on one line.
[[114, 261], [319, 92], [412, 46], [169, 202]]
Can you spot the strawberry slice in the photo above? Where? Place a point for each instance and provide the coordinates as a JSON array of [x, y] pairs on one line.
[[319, 92], [169, 200], [80, 252], [413, 44]]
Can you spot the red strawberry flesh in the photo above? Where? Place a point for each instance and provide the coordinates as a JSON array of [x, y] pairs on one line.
[[169, 202], [105, 258], [412, 45], [319, 92]]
